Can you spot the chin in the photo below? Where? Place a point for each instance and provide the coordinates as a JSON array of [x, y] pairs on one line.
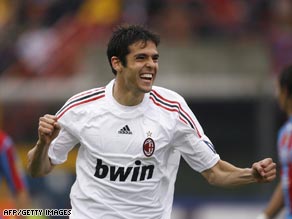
[[146, 88]]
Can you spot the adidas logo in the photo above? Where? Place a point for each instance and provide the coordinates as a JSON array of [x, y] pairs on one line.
[[125, 130]]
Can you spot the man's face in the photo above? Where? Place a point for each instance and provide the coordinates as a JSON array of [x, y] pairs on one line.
[[141, 68]]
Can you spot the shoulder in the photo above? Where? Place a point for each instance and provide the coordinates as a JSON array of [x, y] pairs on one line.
[[86, 96], [167, 99], [286, 127], [173, 103], [81, 99], [2, 134], [166, 94], [284, 132], [5, 140]]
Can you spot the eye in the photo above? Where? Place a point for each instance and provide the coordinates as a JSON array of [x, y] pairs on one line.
[[140, 57], [155, 58]]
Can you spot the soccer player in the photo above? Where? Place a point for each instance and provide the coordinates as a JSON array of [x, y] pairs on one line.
[[12, 171], [282, 196], [132, 135]]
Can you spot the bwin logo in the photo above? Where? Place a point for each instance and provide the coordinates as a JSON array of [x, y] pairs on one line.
[[136, 173]]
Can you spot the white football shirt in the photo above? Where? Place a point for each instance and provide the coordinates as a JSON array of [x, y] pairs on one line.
[[129, 156]]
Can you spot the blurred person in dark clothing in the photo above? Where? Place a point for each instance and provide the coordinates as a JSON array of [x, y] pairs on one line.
[[282, 196], [12, 172]]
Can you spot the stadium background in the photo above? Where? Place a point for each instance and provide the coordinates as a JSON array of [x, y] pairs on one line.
[[222, 55]]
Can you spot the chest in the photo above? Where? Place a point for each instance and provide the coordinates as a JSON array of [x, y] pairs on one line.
[[139, 137], [285, 148]]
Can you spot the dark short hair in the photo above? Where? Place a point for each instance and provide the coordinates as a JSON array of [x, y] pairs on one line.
[[124, 36], [285, 79]]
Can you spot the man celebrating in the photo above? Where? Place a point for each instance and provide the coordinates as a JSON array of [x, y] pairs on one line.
[[132, 135]]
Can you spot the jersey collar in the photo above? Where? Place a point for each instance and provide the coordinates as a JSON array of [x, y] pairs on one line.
[[125, 111]]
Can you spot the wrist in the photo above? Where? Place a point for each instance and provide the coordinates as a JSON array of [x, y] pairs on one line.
[[40, 144]]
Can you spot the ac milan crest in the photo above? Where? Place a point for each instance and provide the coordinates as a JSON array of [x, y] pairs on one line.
[[148, 147]]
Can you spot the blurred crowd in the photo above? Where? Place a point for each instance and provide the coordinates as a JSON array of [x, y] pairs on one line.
[[47, 38]]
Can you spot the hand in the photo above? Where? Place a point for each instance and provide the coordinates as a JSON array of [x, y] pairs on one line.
[[48, 129], [264, 170]]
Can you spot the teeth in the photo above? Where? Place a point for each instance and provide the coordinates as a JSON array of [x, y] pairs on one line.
[[146, 76]]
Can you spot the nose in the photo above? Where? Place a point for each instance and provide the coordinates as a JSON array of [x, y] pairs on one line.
[[151, 63]]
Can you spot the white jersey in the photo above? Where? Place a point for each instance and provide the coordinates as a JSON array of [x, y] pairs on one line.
[[129, 155]]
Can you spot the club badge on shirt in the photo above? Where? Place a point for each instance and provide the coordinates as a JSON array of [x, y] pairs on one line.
[[148, 145]]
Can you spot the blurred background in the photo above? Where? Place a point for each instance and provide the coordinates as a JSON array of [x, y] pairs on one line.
[[222, 55]]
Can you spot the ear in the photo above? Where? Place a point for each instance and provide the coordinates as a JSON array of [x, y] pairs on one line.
[[116, 63]]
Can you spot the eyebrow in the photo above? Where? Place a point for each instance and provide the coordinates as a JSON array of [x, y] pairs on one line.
[[156, 55]]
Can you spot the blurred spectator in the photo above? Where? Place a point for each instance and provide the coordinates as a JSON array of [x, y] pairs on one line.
[[174, 22], [59, 9], [34, 48], [98, 18], [8, 11], [56, 35], [12, 172], [101, 12], [226, 17], [36, 31], [181, 19], [135, 11], [259, 16], [281, 35]]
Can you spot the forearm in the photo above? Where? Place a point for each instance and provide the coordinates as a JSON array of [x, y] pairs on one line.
[[22, 199], [276, 202], [39, 163], [226, 175], [235, 178]]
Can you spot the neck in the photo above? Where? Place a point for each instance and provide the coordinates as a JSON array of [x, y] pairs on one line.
[[125, 97], [288, 107]]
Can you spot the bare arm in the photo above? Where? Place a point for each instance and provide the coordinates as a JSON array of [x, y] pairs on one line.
[[226, 175], [39, 163], [22, 199], [276, 202]]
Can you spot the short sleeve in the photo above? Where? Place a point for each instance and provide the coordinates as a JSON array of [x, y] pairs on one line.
[[61, 146], [190, 139], [197, 151]]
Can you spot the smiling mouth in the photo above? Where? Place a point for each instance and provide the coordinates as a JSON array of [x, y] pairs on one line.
[[147, 76]]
